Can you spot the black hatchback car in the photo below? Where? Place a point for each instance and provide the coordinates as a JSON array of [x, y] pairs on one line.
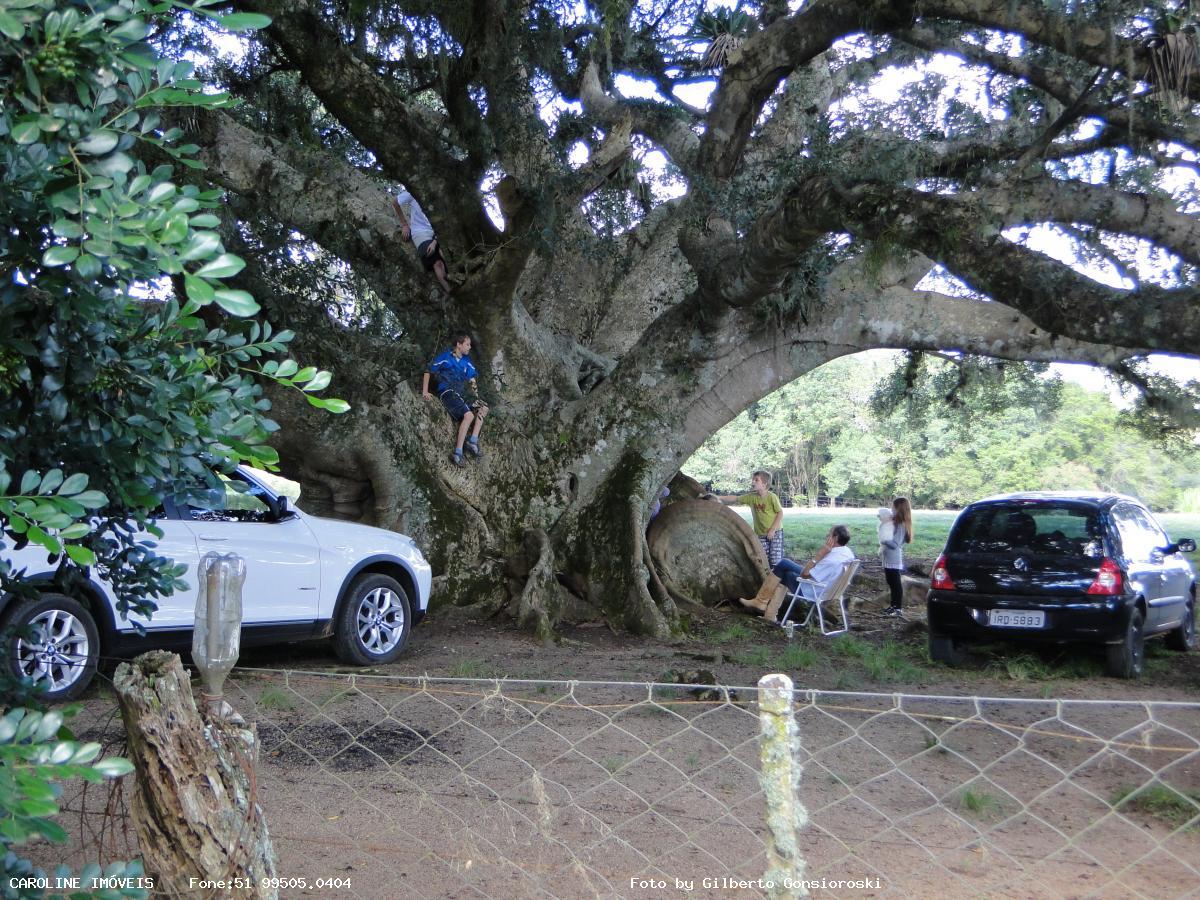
[[1084, 567]]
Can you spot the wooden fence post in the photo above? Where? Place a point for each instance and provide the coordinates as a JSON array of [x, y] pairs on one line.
[[780, 779], [195, 808]]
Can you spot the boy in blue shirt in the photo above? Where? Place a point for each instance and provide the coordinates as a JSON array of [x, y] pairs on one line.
[[454, 373]]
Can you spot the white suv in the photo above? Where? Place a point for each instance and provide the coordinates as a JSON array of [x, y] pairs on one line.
[[306, 577]]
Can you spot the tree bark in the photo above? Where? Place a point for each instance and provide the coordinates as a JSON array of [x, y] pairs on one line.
[[195, 809]]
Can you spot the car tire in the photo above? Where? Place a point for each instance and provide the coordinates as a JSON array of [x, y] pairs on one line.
[[942, 649], [1183, 638], [1126, 659], [374, 621], [60, 659]]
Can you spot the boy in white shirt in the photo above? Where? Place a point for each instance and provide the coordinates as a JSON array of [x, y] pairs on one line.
[[416, 225]]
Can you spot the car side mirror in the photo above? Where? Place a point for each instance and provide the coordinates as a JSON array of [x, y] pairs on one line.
[[1187, 545], [281, 509]]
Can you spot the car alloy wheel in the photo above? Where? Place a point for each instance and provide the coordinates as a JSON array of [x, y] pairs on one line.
[[55, 645], [373, 622], [380, 621]]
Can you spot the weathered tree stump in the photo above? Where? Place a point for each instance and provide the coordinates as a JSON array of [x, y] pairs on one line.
[[195, 810], [706, 552]]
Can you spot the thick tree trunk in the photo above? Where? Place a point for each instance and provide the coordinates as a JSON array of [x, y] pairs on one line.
[[195, 809]]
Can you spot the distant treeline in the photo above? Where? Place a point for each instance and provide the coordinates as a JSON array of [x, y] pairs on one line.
[[861, 431]]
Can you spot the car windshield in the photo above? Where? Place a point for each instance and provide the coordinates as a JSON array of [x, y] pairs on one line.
[[1038, 526]]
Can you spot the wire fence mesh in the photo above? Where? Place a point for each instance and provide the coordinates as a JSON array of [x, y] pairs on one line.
[[403, 787]]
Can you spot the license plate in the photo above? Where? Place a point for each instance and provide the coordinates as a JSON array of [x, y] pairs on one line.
[[1016, 618]]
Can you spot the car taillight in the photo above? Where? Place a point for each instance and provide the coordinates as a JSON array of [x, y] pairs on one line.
[[1108, 579], [940, 579]]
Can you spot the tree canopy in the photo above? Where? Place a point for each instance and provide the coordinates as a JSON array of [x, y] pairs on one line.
[[658, 211]]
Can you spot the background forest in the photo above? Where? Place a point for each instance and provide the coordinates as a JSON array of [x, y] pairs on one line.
[[863, 429]]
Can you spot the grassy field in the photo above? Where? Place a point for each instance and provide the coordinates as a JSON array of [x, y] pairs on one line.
[[804, 529]]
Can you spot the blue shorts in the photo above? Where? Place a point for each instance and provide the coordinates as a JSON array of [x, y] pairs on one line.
[[456, 405]]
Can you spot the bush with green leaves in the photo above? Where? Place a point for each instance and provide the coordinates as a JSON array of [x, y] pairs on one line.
[[130, 370], [37, 752]]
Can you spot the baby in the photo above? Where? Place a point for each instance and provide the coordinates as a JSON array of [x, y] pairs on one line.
[[885, 529]]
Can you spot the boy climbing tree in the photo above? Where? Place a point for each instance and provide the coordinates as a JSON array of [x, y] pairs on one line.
[[454, 374], [416, 225]]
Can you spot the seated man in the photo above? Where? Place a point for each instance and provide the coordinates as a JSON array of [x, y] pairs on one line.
[[826, 564]]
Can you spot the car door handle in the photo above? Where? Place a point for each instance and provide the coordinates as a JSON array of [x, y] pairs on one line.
[[207, 537]]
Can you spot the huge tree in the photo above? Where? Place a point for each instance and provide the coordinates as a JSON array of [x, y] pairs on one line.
[[640, 260]]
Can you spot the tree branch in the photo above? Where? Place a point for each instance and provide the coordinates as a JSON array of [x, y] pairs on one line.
[[319, 195], [374, 110], [1080, 37], [662, 126], [954, 231], [1143, 119]]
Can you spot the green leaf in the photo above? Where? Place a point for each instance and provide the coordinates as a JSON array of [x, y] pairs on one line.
[[98, 143], [160, 192], [59, 256], [87, 266], [286, 369], [332, 404], [67, 228], [113, 164], [244, 21], [10, 27], [29, 482], [91, 499], [80, 554], [113, 767], [130, 31], [73, 485], [198, 289], [175, 230], [201, 245], [320, 381], [75, 530], [39, 536], [50, 481], [237, 303], [25, 132], [224, 266]]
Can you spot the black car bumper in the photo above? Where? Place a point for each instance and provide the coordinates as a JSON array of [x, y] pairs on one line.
[[1099, 620]]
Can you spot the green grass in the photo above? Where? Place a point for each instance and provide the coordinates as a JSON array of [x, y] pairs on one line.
[[978, 803], [796, 657], [804, 529], [612, 764], [847, 646], [472, 668], [1025, 667], [759, 658], [891, 662], [275, 698], [731, 633], [1166, 804]]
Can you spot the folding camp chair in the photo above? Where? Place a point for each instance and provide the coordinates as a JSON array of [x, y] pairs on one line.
[[834, 591]]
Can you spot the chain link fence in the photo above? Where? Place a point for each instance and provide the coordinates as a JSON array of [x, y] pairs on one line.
[[403, 787]]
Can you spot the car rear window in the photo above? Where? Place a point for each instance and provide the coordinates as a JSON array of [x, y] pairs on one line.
[[1046, 526]]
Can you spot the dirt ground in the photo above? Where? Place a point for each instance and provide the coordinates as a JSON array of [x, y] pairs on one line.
[[378, 783], [882, 654]]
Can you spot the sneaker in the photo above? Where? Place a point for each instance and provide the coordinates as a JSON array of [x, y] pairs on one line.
[[457, 459], [894, 612], [472, 447]]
